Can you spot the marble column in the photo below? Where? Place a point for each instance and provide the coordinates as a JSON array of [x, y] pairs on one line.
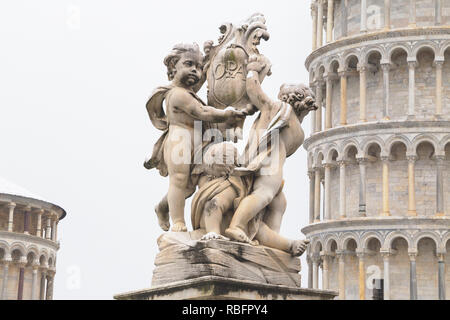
[[362, 93], [412, 276], [362, 275], [412, 13], [317, 194], [310, 274], [341, 274], [50, 280], [342, 191], [386, 211], [343, 76], [26, 220], [315, 263], [344, 17], [440, 164], [314, 26], [328, 110], [11, 207], [438, 12], [42, 285], [386, 67], [48, 230], [386, 282], [411, 186], [6, 262], [319, 101], [387, 14], [39, 230], [312, 191], [439, 64], [330, 16], [362, 186], [363, 16], [412, 87], [22, 264], [34, 281], [441, 276], [54, 224], [325, 271], [319, 23], [327, 191]]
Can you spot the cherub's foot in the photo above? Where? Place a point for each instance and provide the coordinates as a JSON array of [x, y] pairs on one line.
[[298, 247], [179, 227], [240, 236], [214, 236], [163, 218]]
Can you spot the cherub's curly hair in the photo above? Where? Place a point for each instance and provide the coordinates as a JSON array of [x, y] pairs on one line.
[[299, 96], [175, 54]]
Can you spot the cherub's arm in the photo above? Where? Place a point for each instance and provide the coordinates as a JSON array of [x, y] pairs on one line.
[[185, 102], [254, 91]]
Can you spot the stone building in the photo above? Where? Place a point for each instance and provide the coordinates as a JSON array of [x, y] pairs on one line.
[[379, 151], [28, 244]]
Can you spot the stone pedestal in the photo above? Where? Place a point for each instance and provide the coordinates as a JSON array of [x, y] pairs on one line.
[[218, 288], [189, 268]]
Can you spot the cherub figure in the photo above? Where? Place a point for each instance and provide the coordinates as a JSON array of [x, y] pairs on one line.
[[174, 151], [222, 187], [279, 119]]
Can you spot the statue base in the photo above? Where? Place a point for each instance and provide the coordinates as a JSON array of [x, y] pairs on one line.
[[189, 268], [219, 288]]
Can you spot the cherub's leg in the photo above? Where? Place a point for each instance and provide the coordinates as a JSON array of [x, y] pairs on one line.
[[275, 212], [162, 210], [214, 209], [269, 238], [265, 189], [178, 183]]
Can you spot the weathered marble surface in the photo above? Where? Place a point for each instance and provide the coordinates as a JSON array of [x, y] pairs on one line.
[[183, 256], [219, 288]]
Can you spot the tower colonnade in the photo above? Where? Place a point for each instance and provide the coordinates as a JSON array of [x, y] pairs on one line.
[[379, 148], [28, 244]]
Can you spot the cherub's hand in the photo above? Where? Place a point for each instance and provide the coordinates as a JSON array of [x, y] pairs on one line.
[[254, 64], [231, 112]]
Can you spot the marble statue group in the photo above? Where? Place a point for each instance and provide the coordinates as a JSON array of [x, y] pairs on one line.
[[237, 197]]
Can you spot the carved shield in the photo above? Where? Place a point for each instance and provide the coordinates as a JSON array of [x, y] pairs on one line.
[[227, 75]]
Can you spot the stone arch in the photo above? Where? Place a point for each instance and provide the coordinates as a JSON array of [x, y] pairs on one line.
[[328, 242], [334, 64], [310, 160], [369, 236], [425, 138], [346, 238], [397, 47], [445, 239], [387, 244], [349, 55], [330, 151], [396, 139], [5, 246], [315, 245], [426, 234], [33, 249], [346, 145], [319, 158], [367, 143], [423, 45], [367, 52], [20, 247], [444, 141], [444, 47]]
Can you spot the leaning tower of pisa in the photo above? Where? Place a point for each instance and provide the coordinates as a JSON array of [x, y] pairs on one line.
[[379, 150], [28, 244]]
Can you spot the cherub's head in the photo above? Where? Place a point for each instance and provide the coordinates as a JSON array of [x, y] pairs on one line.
[[299, 96], [220, 159], [184, 64]]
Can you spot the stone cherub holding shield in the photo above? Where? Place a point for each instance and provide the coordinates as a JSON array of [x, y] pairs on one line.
[[232, 201]]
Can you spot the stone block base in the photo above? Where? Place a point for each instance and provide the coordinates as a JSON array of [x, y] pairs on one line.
[[219, 288]]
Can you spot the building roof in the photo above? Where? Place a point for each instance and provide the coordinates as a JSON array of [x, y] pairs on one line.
[[9, 188]]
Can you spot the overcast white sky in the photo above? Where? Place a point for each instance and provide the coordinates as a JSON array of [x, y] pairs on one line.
[[74, 80]]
